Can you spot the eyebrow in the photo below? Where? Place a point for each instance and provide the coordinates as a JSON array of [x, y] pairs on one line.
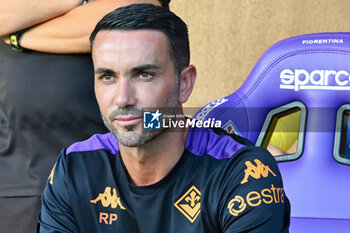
[[103, 70], [144, 67]]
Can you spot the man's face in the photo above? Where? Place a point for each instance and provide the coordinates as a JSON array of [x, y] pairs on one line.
[[133, 70]]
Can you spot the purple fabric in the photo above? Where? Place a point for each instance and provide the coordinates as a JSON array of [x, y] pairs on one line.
[[320, 225], [199, 142], [316, 184], [96, 142], [206, 142]]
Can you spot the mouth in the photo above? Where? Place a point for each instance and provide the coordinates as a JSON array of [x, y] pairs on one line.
[[127, 120]]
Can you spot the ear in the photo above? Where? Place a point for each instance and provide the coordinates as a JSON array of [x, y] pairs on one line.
[[187, 79]]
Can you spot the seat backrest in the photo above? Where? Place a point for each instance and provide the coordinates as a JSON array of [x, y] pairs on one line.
[[310, 73]]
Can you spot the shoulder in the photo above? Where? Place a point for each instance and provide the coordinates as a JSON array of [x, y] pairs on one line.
[[97, 151], [75, 165], [205, 141], [251, 193], [106, 142], [251, 166]]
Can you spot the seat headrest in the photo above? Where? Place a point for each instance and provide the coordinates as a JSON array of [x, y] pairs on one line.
[[313, 70]]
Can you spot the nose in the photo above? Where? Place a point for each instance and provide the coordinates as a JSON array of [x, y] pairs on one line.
[[125, 93]]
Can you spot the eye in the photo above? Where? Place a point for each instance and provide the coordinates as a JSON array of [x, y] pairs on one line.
[[145, 75], [106, 78]]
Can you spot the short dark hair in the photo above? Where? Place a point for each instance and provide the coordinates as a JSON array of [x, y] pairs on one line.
[[165, 3], [149, 16]]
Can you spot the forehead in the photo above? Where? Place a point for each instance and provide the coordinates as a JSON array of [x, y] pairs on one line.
[[123, 46]]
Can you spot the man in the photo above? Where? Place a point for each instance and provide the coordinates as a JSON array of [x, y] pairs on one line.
[[146, 181], [46, 95]]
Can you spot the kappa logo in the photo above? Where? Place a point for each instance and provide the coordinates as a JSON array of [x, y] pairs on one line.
[[108, 199], [256, 171], [52, 173], [189, 204]]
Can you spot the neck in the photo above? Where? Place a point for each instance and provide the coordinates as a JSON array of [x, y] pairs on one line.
[[150, 163]]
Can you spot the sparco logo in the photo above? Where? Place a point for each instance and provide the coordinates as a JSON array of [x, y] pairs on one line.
[[314, 80]]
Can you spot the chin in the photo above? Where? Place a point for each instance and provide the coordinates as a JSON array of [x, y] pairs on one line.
[[137, 139], [129, 139]]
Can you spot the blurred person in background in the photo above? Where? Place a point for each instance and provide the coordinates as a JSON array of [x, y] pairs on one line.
[[46, 95]]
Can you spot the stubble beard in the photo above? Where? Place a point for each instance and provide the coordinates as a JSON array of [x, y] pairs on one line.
[[132, 138]]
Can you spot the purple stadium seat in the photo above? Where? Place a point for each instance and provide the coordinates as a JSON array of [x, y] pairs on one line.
[[310, 72]]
